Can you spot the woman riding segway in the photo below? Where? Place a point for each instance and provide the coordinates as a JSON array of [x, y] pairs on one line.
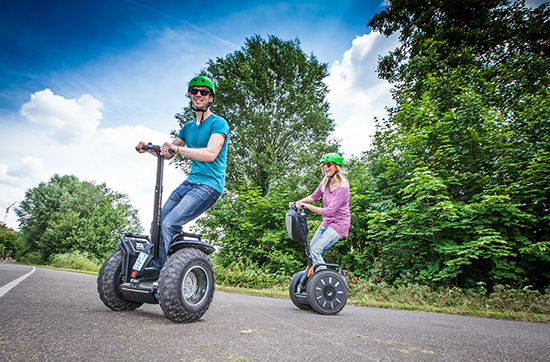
[[334, 189]]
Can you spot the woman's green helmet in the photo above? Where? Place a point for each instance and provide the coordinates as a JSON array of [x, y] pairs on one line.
[[333, 157], [202, 81]]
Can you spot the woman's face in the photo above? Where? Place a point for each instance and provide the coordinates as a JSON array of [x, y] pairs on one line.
[[329, 168]]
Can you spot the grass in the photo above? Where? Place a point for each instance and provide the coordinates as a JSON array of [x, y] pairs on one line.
[[501, 303]]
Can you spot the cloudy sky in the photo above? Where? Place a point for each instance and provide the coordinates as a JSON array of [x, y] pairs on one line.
[[81, 82]]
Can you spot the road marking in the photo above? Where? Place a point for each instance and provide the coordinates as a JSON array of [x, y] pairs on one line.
[[6, 288]]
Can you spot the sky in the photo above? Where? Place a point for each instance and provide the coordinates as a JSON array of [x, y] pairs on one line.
[[82, 82]]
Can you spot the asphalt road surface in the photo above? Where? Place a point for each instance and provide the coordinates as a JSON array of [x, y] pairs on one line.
[[49, 315]]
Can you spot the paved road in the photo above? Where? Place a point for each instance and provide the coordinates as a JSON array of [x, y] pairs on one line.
[[57, 316]]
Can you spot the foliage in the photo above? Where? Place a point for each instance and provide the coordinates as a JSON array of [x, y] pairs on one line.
[[455, 190], [247, 275], [9, 240], [66, 215], [503, 302], [76, 260], [31, 258], [248, 227]]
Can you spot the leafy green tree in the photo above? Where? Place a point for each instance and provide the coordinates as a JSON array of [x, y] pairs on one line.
[[65, 215], [273, 97], [9, 241], [457, 191]]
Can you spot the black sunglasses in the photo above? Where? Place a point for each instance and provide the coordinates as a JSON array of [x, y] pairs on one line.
[[203, 92]]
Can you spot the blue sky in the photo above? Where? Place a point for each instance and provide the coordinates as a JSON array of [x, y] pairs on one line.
[[74, 47], [82, 82]]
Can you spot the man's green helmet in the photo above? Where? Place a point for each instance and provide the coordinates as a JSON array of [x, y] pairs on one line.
[[202, 81], [333, 157]]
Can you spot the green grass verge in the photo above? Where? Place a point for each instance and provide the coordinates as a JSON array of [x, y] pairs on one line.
[[501, 303]]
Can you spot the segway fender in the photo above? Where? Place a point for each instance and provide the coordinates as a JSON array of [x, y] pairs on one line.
[[189, 240]]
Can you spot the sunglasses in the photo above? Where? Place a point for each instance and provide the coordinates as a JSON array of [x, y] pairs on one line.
[[327, 164], [203, 92]]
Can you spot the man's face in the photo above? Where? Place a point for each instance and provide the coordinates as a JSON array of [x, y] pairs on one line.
[[199, 100]]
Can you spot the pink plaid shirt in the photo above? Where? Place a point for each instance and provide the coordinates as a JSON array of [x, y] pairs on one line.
[[335, 210]]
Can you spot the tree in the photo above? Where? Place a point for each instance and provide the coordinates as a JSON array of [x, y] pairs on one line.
[[9, 240], [273, 97], [65, 214], [463, 158]]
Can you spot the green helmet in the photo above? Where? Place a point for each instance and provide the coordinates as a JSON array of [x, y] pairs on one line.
[[203, 81], [333, 157]]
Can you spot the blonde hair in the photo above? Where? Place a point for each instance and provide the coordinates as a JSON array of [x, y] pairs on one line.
[[338, 177]]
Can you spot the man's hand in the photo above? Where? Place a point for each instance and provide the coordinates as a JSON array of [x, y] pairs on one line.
[[139, 147], [165, 150]]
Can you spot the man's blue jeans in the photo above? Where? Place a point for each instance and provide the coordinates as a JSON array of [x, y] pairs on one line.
[[187, 202], [323, 239]]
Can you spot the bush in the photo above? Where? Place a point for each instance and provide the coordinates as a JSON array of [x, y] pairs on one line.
[[503, 302], [239, 274], [33, 258], [75, 260]]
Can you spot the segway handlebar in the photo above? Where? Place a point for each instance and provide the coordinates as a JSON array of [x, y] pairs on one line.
[[295, 208], [156, 148]]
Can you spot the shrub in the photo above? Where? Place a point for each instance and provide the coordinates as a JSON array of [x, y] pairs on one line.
[[75, 260]]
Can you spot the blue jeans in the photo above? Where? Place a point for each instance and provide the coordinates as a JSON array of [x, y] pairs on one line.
[[187, 202], [323, 239]]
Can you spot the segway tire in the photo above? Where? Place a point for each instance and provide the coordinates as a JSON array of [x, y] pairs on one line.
[[327, 292], [293, 289], [186, 285], [108, 284]]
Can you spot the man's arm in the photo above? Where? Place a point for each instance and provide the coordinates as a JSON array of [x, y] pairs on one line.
[[208, 154]]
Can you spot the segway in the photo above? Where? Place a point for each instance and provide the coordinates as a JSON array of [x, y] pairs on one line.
[[184, 287], [321, 287]]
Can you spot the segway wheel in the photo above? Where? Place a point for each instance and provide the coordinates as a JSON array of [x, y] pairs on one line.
[[293, 290], [186, 285], [108, 284], [327, 292]]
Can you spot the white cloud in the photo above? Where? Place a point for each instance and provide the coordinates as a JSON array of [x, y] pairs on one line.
[[68, 120], [106, 155], [356, 94], [23, 174]]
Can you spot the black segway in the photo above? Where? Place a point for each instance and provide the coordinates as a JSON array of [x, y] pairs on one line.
[[184, 287], [321, 287]]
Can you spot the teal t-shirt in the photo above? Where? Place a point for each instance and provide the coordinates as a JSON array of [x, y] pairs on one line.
[[207, 173]]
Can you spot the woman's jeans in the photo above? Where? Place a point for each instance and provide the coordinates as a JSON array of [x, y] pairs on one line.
[[187, 202], [323, 239]]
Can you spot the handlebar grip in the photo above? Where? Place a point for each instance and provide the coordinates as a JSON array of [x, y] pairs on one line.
[[149, 146], [156, 148]]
